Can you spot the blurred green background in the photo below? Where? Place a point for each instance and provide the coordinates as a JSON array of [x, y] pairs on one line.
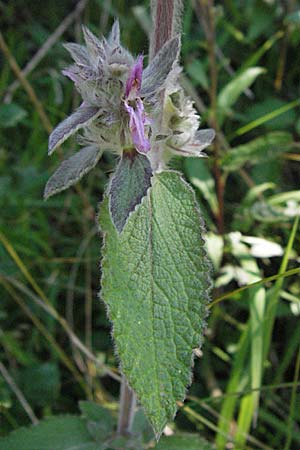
[[241, 67]]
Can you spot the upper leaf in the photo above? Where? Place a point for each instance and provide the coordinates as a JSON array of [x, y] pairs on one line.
[[128, 186], [156, 73], [80, 118], [78, 52], [72, 170], [202, 139], [114, 35], [156, 285], [94, 46]]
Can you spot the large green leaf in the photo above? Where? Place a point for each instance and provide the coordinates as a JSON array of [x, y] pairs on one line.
[[155, 283], [55, 433]]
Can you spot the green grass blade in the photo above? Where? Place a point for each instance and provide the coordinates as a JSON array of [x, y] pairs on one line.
[[230, 295], [289, 436], [229, 404], [257, 302], [261, 120], [274, 293]]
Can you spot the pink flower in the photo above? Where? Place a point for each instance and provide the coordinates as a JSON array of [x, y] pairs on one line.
[[137, 122], [134, 82], [135, 108]]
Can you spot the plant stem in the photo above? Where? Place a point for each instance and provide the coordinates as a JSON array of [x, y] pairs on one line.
[[166, 16], [127, 408], [163, 23], [208, 13]]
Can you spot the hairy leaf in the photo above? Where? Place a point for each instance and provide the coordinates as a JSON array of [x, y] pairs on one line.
[[80, 118], [72, 170], [114, 36], [55, 433], [202, 139], [78, 53], [128, 186], [94, 45], [156, 286], [156, 73]]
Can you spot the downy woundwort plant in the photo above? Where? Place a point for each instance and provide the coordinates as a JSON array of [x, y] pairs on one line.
[[155, 274]]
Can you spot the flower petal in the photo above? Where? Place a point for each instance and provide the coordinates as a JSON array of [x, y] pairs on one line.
[[72, 170], [133, 84], [80, 118], [137, 122]]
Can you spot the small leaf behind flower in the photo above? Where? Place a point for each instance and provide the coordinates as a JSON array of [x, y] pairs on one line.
[[72, 170], [80, 118], [202, 139], [128, 186], [156, 73]]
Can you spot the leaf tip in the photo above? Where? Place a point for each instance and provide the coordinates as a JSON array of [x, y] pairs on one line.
[[51, 145]]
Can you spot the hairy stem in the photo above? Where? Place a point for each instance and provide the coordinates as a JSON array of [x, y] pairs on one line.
[[163, 18], [127, 408], [166, 16]]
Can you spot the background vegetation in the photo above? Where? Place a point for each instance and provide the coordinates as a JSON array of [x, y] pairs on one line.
[[241, 67]]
